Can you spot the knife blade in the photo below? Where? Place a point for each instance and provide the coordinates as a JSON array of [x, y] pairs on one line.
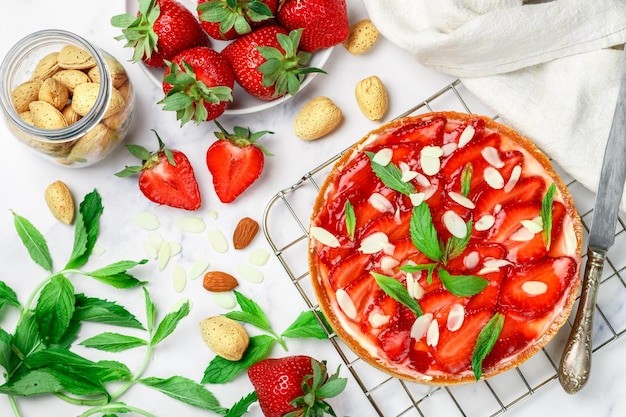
[[575, 363]]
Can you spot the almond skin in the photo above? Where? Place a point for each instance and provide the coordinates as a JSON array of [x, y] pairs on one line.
[[218, 281], [244, 233], [60, 201], [225, 337]]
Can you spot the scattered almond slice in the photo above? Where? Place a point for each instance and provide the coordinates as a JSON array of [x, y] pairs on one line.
[[513, 179], [421, 326], [522, 235], [376, 242], [455, 224], [324, 237], [470, 261], [224, 299], [417, 198], [198, 268], [534, 287], [250, 273], [486, 222], [380, 202], [456, 317], [432, 334], [218, 240], [147, 220], [259, 256], [387, 263], [212, 214], [175, 248], [345, 303], [153, 244], [492, 156], [535, 225], [179, 278], [466, 136], [493, 178], [163, 257], [191, 224], [462, 200], [377, 320], [383, 157]]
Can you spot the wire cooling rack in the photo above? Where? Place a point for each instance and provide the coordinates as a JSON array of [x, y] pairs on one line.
[[286, 221]]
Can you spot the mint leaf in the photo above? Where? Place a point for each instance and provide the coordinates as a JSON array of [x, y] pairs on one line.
[[419, 268], [455, 246], [8, 296], [350, 219], [86, 229], [306, 325], [150, 311], [5, 351], [102, 311], [424, 234], [26, 339], [186, 391], [462, 285], [122, 280], [169, 324], [34, 242], [546, 215], [487, 338], [113, 342], [466, 179], [250, 313], [396, 290], [391, 176], [54, 309], [241, 407], [221, 371]]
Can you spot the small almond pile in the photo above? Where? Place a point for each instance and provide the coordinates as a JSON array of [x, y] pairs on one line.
[[63, 88]]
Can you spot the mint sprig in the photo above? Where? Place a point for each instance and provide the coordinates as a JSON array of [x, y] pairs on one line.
[[546, 215], [350, 219], [462, 285], [391, 176], [423, 233], [396, 290], [485, 342]]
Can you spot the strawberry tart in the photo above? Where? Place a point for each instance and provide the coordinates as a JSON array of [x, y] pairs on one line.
[[444, 248]]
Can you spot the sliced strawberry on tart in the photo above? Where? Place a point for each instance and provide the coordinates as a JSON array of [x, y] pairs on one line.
[[444, 248]]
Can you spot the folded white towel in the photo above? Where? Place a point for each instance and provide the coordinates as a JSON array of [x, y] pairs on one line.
[[550, 70]]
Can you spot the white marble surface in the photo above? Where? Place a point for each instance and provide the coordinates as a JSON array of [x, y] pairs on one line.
[[24, 177]]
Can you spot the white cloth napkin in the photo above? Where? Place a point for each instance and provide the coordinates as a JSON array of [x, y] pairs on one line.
[[551, 70]]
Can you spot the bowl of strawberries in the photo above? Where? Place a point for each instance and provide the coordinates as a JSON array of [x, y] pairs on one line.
[[248, 56]]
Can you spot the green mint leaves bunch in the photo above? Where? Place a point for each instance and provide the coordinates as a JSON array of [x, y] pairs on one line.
[[36, 358]]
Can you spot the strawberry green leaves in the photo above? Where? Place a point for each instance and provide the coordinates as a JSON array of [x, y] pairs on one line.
[[307, 325]]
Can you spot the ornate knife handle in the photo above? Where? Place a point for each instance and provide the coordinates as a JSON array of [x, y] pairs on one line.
[[576, 359]]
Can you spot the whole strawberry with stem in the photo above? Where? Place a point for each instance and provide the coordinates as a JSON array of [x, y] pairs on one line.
[[268, 63], [198, 85], [294, 386], [160, 30], [324, 22], [230, 19], [165, 176], [235, 161]]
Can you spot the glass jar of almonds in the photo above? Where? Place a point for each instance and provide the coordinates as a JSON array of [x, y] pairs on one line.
[[65, 98]]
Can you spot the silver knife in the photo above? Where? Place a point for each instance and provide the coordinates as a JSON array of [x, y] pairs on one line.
[[576, 360]]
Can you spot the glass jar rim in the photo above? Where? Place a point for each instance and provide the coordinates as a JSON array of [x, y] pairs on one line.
[[14, 57]]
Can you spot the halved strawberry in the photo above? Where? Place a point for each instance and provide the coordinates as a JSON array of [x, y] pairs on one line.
[[504, 348], [395, 341], [419, 357], [470, 153], [488, 297], [508, 219], [342, 273], [429, 132], [394, 226], [532, 290], [454, 350], [362, 290], [527, 188], [439, 302]]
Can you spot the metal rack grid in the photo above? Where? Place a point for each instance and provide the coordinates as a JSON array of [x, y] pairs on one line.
[[286, 221]]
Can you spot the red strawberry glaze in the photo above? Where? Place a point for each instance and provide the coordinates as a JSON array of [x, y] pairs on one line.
[[531, 277]]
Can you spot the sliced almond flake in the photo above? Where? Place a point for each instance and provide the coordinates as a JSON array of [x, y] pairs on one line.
[[422, 180], [163, 257], [259, 256], [198, 268], [486, 222], [533, 288], [496, 263], [408, 175], [324, 237], [535, 225], [410, 284], [418, 291], [488, 270], [466, 136], [570, 240], [421, 325], [383, 157], [225, 299], [373, 243], [417, 198], [522, 235], [433, 151], [147, 220], [493, 178], [191, 224], [98, 250], [448, 148], [455, 224], [430, 165], [175, 248], [497, 208], [387, 263], [492, 156], [429, 191], [218, 240], [212, 214], [462, 200], [153, 244], [377, 319], [179, 278], [345, 303], [470, 261], [513, 179], [250, 273], [380, 203], [456, 316], [432, 334]]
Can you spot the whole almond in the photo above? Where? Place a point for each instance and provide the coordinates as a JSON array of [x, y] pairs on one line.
[[371, 97], [317, 118], [46, 67], [73, 57], [225, 337], [84, 98], [218, 281], [46, 116], [60, 201], [54, 92], [92, 143], [71, 78], [363, 35], [244, 233], [24, 94]]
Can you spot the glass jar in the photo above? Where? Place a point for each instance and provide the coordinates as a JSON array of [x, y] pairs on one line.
[[68, 100]]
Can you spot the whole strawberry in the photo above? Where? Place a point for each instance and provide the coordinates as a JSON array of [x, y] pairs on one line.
[[229, 19], [198, 84], [267, 62], [235, 161], [297, 385], [161, 29], [324, 22], [165, 176]]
